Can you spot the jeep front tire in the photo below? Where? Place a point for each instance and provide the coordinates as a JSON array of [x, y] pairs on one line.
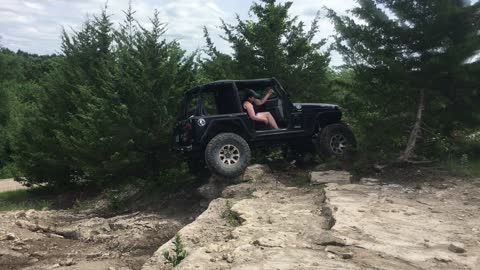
[[227, 154], [336, 140]]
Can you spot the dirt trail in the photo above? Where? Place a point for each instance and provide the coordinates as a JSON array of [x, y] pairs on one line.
[[10, 184], [90, 239]]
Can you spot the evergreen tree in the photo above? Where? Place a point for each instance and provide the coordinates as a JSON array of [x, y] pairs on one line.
[[105, 113], [410, 72], [274, 45]]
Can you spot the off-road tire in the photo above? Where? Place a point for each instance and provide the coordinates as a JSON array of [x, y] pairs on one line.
[[336, 140], [218, 160]]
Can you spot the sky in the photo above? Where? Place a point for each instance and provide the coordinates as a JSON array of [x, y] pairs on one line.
[[35, 25]]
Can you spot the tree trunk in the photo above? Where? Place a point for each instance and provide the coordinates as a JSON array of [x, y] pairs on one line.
[[416, 131]]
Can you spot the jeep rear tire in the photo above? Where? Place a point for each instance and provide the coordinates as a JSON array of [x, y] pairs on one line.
[[336, 140], [227, 154]]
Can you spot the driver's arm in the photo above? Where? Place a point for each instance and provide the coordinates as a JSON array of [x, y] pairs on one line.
[[262, 101]]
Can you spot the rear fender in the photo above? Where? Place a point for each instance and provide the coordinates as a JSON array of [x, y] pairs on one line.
[[217, 126]]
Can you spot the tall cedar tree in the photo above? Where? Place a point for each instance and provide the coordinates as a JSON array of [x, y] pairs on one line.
[[105, 113], [410, 71], [273, 45]]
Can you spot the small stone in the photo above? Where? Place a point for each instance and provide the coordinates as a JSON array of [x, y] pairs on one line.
[[54, 235], [389, 200], [213, 259], [361, 210], [443, 259], [55, 266], [30, 214], [7, 237], [38, 254], [456, 247], [338, 177], [20, 214], [331, 255], [67, 262], [94, 255], [342, 252], [327, 239]]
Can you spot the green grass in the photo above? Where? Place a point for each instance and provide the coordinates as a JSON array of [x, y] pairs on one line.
[[22, 200], [231, 217], [470, 167]]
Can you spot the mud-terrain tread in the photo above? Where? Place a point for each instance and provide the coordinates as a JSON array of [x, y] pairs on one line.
[[217, 142], [324, 139]]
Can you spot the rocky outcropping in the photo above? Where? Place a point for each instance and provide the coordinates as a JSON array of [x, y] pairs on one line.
[[261, 224]]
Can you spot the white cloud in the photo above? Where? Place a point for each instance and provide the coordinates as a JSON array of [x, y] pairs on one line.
[[35, 25]]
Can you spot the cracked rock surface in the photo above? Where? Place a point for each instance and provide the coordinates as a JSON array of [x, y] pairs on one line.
[[268, 224]]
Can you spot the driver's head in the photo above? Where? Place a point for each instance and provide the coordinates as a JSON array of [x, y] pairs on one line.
[[251, 95]]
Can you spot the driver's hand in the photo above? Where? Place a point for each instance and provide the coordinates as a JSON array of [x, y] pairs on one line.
[[269, 91]]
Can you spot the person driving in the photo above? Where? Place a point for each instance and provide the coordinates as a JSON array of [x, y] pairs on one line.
[[253, 97]]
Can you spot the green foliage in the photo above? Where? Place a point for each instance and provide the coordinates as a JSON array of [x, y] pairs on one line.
[[179, 252], [170, 179], [272, 44], [20, 76], [114, 199], [400, 48], [105, 113], [231, 217], [463, 166], [23, 200]]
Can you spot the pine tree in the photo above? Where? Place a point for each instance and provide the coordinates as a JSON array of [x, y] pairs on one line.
[[274, 44], [409, 63], [105, 114]]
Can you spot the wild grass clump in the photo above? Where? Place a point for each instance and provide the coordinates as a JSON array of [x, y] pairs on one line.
[[230, 216], [23, 200]]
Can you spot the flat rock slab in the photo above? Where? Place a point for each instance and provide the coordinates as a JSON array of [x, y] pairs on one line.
[[337, 177], [397, 224]]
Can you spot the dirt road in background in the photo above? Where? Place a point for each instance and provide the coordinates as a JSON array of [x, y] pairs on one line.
[[10, 184]]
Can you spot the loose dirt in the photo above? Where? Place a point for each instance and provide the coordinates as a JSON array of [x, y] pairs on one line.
[[92, 238]]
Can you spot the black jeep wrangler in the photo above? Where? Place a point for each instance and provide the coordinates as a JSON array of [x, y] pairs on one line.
[[213, 129]]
